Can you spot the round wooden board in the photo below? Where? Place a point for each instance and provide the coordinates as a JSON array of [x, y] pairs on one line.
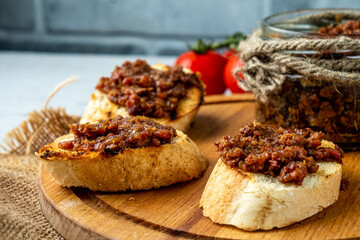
[[173, 212]]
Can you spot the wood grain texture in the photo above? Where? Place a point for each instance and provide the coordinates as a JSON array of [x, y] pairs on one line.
[[216, 99], [173, 212]]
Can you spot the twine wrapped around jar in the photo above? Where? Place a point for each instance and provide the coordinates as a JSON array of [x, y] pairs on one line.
[[268, 61]]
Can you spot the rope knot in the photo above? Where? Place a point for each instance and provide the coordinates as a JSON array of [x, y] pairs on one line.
[[268, 63]]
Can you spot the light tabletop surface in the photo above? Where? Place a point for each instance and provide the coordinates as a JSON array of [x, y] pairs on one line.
[[27, 78]]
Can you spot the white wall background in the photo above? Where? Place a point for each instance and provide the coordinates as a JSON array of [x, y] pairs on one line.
[[157, 27]]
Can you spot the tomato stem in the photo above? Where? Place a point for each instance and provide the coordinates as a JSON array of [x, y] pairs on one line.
[[232, 41], [201, 46]]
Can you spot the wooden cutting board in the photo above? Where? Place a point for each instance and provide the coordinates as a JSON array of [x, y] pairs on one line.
[[173, 212]]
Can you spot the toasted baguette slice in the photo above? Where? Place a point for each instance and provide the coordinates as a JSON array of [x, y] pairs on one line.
[[133, 169], [253, 201], [100, 107]]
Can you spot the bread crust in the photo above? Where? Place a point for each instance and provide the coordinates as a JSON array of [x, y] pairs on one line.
[[100, 107], [132, 169], [253, 201]]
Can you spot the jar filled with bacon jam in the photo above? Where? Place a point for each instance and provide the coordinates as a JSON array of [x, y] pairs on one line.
[[306, 72]]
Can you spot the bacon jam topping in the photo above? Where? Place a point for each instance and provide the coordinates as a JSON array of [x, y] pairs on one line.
[[348, 27], [147, 91], [286, 154], [112, 136]]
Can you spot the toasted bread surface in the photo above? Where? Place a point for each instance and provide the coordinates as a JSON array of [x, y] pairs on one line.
[[100, 107], [133, 169], [253, 201]]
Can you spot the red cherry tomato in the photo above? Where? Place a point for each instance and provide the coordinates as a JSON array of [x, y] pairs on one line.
[[232, 64], [210, 64], [230, 52]]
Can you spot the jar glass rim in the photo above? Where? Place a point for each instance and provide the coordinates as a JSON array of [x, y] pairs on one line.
[[270, 22]]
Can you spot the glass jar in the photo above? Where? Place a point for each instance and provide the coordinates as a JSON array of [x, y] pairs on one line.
[[300, 102]]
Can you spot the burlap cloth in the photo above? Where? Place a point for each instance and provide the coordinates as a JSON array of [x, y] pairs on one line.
[[20, 213]]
